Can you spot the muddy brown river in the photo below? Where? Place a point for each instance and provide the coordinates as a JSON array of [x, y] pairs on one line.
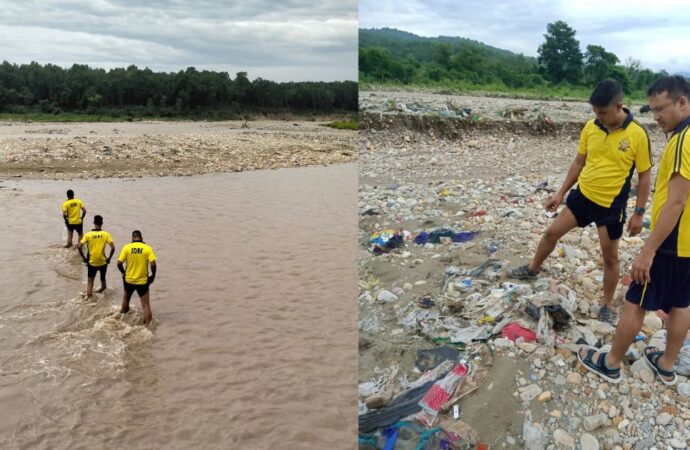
[[253, 344]]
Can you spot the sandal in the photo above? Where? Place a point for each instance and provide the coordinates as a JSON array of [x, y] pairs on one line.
[[599, 367], [651, 357], [523, 273]]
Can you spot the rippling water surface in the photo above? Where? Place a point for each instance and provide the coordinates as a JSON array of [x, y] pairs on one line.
[[254, 337]]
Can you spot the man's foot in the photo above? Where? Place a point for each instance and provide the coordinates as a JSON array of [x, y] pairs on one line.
[[595, 362], [523, 273], [605, 315], [67, 245], [651, 357], [101, 289], [124, 311]]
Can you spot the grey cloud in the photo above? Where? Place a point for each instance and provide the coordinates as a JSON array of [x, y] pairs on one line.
[[258, 34]]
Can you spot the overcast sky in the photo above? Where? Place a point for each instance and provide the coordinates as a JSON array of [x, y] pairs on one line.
[[655, 32], [287, 40]]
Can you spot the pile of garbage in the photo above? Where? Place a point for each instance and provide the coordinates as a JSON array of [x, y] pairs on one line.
[[441, 287]]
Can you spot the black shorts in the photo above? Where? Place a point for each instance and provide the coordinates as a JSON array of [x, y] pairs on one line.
[[586, 212], [92, 270], [669, 286], [141, 289], [79, 228]]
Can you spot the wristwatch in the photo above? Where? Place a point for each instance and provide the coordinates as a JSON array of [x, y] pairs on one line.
[[639, 211]]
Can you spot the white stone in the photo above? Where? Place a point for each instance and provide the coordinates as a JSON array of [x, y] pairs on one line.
[[588, 442], [529, 393], [563, 439], [386, 296], [663, 419]]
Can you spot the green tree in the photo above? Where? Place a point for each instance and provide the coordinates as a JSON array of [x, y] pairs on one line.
[[560, 57], [598, 64]]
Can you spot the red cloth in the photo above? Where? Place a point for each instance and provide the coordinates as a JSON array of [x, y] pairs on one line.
[[513, 331]]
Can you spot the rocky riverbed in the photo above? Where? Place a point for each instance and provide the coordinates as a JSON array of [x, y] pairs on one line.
[[476, 186], [97, 150]]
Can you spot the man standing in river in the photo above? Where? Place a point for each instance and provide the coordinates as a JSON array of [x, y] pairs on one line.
[[137, 256], [95, 241], [73, 212], [612, 146]]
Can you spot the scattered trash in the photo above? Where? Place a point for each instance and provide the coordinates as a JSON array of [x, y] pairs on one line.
[[514, 330], [385, 240], [440, 393]]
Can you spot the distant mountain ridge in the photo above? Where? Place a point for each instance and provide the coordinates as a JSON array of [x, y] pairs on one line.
[[399, 43]]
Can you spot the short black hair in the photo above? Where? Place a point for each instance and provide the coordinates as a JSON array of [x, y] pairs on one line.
[[136, 234], [676, 86], [98, 220], [70, 193], [605, 93]]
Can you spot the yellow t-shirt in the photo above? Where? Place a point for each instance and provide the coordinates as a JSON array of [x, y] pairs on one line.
[[73, 208], [136, 256], [96, 240], [676, 159], [611, 160]]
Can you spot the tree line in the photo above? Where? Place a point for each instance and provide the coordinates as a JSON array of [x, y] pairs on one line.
[[388, 55], [131, 91]]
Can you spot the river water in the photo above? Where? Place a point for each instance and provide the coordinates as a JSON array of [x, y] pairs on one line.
[[254, 341]]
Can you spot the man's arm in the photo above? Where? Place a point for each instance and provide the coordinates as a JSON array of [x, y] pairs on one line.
[[83, 257], [112, 252], [153, 272], [576, 166], [678, 189], [643, 182], [83, 212], [121, 268]]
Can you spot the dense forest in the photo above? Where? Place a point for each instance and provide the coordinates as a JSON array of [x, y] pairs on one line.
[[135, 92], [392, 56]]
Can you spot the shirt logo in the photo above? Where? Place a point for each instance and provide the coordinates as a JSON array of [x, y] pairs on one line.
[[624, 145]]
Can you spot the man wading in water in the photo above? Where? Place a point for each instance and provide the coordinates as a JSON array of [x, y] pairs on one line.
[[95, 241], [137, 256], [73, 211]]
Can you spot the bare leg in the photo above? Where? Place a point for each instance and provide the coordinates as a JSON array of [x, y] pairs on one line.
[[125, 302], [629, 325], [563, 224], [103, 284], [69, 238], [89, 287], [678, 325], [145, 305], [609, 251]]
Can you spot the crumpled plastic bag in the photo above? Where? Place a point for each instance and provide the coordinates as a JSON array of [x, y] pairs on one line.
[[545, 332]]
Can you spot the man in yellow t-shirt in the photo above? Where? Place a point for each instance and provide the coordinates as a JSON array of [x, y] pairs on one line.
[[612, 147], [137, 256], [661, 270], [73, 212], [95, 241]]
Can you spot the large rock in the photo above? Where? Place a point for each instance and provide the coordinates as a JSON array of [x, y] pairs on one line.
[[588, 442], [574, 378], [563, 439], [663, 419], [386, 296], [591, 423], [529, 393]]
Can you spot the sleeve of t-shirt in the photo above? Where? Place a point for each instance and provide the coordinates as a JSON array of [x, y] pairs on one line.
[[82, 204], [123, 254], [152, 256], [643, 157], [84, 239], [108, 239], [582, 148], [681, 161], [64, 207]]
